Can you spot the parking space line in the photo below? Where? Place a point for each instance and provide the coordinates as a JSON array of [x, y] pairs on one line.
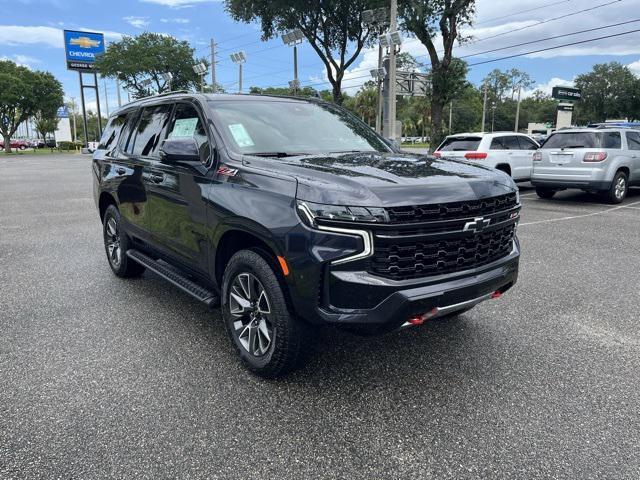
[[549, 220], [633, 208]]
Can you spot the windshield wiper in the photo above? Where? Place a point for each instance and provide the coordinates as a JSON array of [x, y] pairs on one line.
[[277, 154]]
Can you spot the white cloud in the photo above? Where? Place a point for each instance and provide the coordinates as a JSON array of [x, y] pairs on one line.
[[13, 35], [22, 60], [548, 86], [635, 67], [137, 22], [181, 21], [178, 3]]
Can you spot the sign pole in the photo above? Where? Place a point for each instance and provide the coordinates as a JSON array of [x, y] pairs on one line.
[[84, 112], [97, 87]]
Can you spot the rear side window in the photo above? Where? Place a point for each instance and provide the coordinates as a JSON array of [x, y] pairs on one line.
[[150, 130], [611, 140], [112, 132], [633, 139], [460, 144], [498, 144], [527, 144], [511, 143]]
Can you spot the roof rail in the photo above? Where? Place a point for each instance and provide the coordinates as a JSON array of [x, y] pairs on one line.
[[162, 94]]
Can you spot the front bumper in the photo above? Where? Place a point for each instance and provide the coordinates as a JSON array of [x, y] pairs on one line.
[[403, 300]]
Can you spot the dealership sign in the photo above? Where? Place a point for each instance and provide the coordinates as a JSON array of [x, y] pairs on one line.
[[82, 49], [566, 93]]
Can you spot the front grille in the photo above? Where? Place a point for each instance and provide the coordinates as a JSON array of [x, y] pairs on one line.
[[439, 245], [452, 211]]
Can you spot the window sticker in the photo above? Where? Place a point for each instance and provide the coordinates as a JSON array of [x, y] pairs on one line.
[[240, 135], [184, 127]]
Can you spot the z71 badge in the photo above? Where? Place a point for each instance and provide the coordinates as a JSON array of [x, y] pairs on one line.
[[230, 172]]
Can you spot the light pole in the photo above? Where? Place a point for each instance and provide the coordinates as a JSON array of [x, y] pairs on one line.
[[293, 39], [484, 106], [200, 69], [167, 77], [239, 58], [518, 109], [493, 115], [377, 19], [392, 41]]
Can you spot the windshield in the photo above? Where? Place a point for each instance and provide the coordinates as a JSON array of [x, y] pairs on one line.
[[584, 140], [460, 144], [289, 127]]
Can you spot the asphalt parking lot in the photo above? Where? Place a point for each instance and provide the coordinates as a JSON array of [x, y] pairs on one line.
[[103, 377]]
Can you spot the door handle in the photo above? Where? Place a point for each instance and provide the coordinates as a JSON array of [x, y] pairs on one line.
[[121, 170], [157, 177]]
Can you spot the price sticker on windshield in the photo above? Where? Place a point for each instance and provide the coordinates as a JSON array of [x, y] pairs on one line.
[[240, 135]]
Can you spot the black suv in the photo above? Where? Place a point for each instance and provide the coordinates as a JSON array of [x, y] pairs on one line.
[[290, 213]]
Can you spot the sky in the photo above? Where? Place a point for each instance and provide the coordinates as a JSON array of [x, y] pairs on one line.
[[31, 35]]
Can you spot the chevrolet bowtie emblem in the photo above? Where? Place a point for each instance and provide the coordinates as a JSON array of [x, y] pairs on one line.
[[84, 42], [477, 225]]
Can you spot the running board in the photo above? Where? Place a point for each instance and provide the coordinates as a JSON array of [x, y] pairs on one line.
[[189, 286]]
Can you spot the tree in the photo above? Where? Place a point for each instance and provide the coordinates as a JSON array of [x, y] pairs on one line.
[[366, 105], [148, 56], [333, 28], [23, 94], [45, 125], [609, 91], [428, 19]]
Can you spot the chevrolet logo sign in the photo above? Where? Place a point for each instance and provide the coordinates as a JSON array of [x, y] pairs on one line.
[[478, 225], [85, 42]]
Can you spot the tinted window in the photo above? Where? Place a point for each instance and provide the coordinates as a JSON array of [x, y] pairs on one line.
[[633, 139], [112, 132], [611, 140], [187, 123], [572, 140], [527, 143], [149, 132], [511, 143], [498, 144], [292, 127], [460, 144]]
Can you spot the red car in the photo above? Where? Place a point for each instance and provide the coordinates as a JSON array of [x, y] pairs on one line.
[[16, 144]]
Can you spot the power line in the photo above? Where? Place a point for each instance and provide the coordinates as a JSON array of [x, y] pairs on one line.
[[550, 38], [522, 11]]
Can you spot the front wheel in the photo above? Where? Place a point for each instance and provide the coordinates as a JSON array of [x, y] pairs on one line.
[[619, 188], [268, 339]]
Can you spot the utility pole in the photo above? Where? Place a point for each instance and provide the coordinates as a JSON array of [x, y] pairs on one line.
[[450, 116], [518, 109], [484, 106], [118, 90], [391, 118], [377, 20], [214, 85], [493, 115], [379, 85]]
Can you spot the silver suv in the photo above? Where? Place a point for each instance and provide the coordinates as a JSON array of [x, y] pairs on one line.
[[605, 161]]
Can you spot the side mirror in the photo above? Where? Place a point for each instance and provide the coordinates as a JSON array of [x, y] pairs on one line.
[[184, 149]]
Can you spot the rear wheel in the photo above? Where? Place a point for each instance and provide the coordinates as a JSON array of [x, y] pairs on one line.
[[116, 244], [544, 192], [619, 188], [268, 339]]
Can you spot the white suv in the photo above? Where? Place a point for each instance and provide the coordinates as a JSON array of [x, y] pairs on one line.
[[507, 151]]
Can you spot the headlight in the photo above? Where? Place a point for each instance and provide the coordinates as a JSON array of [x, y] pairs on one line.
[[518, 197], [310, 212]]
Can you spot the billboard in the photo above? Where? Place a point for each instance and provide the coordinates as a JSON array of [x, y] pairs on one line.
[[566, 93], [82, 48]]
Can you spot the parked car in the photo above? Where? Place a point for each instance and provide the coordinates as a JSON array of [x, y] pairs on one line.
[[16, 144], [291, 213], [597, 160], [507, 151]]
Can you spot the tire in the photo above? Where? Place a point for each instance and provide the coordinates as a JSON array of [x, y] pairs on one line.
[[116, 244], [269, 340], [22, 147], [619, 188], [545, 193]]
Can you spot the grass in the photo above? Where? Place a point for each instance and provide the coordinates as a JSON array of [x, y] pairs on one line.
[[40, 151], [415, 145]]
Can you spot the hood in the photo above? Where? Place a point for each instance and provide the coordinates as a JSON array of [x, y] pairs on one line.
[[386, 179]]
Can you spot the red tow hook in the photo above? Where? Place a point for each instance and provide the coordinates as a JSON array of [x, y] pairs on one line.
[[420, 319], [495, 295]]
